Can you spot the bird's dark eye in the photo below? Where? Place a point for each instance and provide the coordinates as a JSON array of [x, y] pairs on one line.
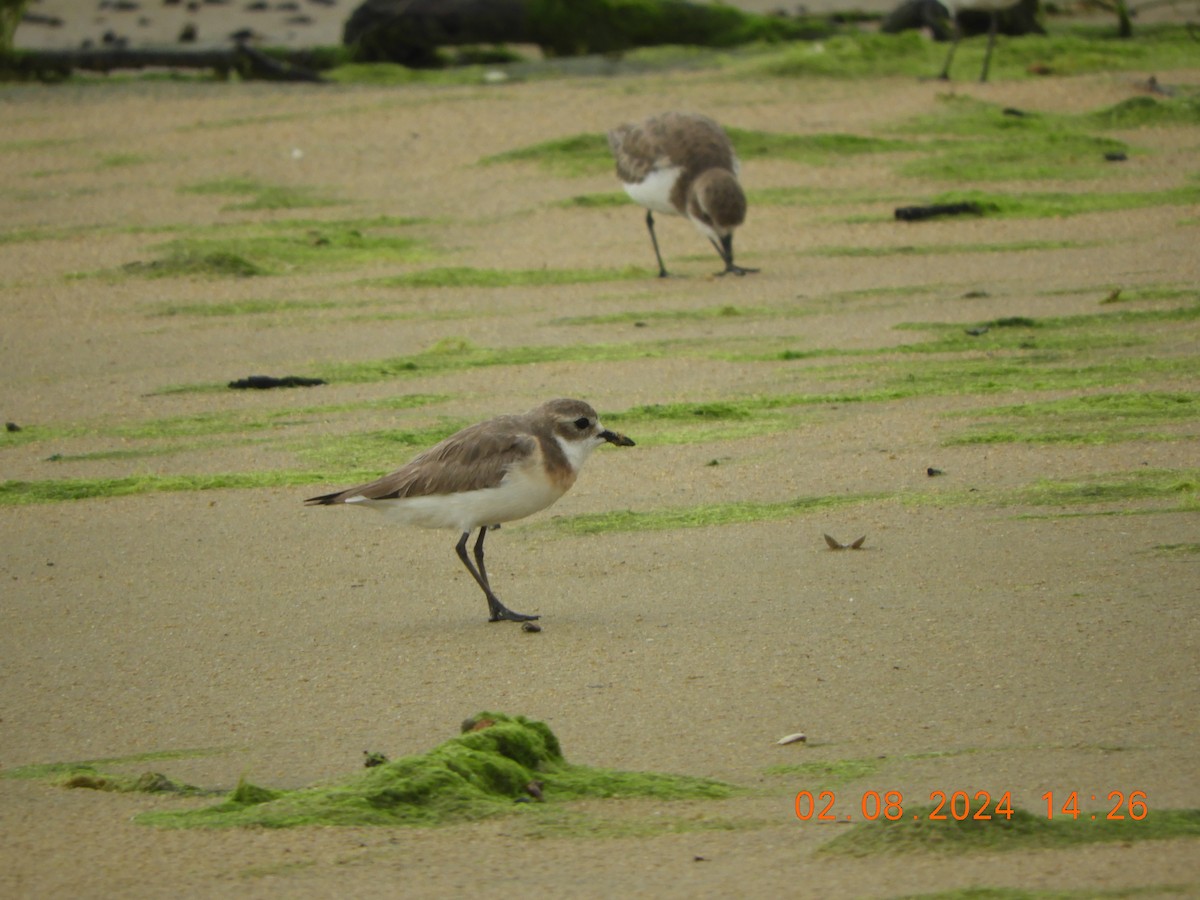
[[583, 423]]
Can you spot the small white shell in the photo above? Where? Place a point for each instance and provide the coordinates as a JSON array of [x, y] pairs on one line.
[[797, 738]]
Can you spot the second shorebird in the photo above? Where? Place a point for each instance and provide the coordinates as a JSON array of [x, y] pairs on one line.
[[499, 470], [683, 164], [992, 8]]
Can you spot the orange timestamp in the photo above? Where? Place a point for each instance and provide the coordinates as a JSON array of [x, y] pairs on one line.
[[957, 806]]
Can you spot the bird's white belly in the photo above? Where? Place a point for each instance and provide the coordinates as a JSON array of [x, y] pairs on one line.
[[518, 496], [654, 192]]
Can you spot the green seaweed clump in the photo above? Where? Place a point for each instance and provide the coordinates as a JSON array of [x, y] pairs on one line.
[[1141, 112], [218, 263], [496, 764]]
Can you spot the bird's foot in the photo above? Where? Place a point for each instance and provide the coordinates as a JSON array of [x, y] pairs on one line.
[[736, 270], [501, 613]]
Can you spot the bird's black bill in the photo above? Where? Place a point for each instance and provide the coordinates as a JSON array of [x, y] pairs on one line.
[[725, 249], [614, 437]]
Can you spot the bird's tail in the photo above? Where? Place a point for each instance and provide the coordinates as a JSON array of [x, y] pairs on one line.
[[325, 499]]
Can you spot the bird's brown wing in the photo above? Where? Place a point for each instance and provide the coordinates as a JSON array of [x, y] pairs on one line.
[[637, 150], [474, 458], [653, 143]]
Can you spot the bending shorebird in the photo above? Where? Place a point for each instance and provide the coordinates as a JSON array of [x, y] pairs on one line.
[[682, 164], [496, 471]]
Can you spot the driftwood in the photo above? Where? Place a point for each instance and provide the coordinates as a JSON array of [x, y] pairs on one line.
[[249, 63], [917, 213], [264, 382], [411, 31]]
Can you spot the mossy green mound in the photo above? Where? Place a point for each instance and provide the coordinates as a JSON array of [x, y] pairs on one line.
[[498, 763]]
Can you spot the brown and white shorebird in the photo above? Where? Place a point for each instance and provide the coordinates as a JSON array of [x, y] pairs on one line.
[[682, 164], [496, 471]]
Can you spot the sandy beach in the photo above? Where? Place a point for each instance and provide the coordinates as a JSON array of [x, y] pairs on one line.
[[982, 639]]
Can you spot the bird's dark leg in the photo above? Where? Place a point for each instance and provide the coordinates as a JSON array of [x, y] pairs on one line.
[[991, 43], [725, 251], [945, 76], [497, 610], [662, 270]]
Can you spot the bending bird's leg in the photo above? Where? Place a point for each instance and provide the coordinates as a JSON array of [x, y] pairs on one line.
[[662, 270]]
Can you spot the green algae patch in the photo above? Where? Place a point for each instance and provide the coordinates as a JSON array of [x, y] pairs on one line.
[[858, 251], [1019, 156], [389, 75], [589, 154], [1144, 112], [372, 450], [455, 354], [62, 770], [814, 149], [94, 774], [828, 774], [261, 195], [583, 826], [1180, 488], [704, 515], [595, 201], [989, 143], [1092, 419], [1184, 549], [145, 783], [496, 766], [468, 276], [1007, 893], [276, 251], [643, 317], [850, 56], [23, 493], [188, 261], [916, 832], [1077, 51], [572, 156]]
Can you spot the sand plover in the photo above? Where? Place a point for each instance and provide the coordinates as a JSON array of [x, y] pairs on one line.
[[683, 165], [496, 471]]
